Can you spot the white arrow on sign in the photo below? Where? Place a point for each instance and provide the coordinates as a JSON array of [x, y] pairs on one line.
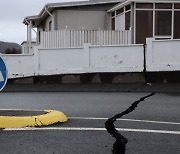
[[1, 77]]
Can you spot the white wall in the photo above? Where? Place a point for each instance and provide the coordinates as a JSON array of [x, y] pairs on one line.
[[117, 58], [120, 22], [25, 48], [60, 61], [90, 59], [163, 55], [19, 65]]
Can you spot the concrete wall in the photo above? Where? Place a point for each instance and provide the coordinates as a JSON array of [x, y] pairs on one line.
[[19, 65], [73, 19], [163, 55], [127, 58], [90, 59], [60, 60]]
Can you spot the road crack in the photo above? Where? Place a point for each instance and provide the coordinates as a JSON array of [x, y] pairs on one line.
[[119, 147]]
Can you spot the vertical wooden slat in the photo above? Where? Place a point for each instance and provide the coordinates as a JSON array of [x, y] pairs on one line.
[[45, 33], [57, 34], [44, 39], [102, 37], [74, 38], [98, 38], [71, 40], [61, 38]]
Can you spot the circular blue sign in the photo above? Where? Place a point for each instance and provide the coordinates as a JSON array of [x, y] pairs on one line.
[[3, 74]]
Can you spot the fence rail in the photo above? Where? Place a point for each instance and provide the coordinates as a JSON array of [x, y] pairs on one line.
[[76, 38]]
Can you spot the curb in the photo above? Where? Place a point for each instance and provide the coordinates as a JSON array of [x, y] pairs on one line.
[[51, 117]]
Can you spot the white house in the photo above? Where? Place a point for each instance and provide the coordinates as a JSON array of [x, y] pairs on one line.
[[74, 23], [58, 22]]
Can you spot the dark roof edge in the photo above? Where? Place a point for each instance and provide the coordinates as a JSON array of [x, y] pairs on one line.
[[126, 2]]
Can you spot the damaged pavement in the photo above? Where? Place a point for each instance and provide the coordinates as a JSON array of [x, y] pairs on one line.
[[153, 127]]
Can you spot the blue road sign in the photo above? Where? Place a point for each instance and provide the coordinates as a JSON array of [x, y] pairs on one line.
[[3, 74]]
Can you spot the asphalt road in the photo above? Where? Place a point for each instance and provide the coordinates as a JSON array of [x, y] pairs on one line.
[[153, 128]]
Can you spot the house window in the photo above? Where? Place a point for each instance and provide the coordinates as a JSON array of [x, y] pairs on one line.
[[39, 38], [163, 20], [176, 25], [113, 24], [177, 6], [120, 22], [113, 14], [144, 26], [144, 5], [119, 11], [163, 6], [128, 7], [127, 20], [50, 25], [156, 20]]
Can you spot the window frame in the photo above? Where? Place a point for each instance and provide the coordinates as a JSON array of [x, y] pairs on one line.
[[50, 25], [154, 9]]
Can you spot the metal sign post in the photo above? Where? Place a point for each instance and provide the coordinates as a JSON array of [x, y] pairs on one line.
[[3, 74]]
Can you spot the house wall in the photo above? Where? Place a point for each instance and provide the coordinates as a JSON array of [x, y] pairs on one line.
[[120, 22], [25, 48], [90, 17], [46, 23], [73, 19]]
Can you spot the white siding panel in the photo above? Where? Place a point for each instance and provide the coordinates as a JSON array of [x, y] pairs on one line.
[[120, 22]]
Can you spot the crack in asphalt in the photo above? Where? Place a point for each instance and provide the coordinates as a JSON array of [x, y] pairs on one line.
[[140, 86], [119, 147]]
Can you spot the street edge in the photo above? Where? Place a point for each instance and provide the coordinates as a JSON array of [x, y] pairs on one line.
[[51, 117]]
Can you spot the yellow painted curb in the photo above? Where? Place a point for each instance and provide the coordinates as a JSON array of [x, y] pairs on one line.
[[51, 117]]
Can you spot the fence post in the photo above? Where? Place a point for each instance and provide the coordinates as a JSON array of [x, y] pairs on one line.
[[86, 55], [36, 61], [149, 52]]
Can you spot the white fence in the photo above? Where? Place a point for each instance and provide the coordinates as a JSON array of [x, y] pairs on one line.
[[19, 65], [162, 55], [91, 59], [87, 59], [76, 38]]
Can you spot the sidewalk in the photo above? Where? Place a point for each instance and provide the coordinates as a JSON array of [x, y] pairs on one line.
[[122, 87]]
